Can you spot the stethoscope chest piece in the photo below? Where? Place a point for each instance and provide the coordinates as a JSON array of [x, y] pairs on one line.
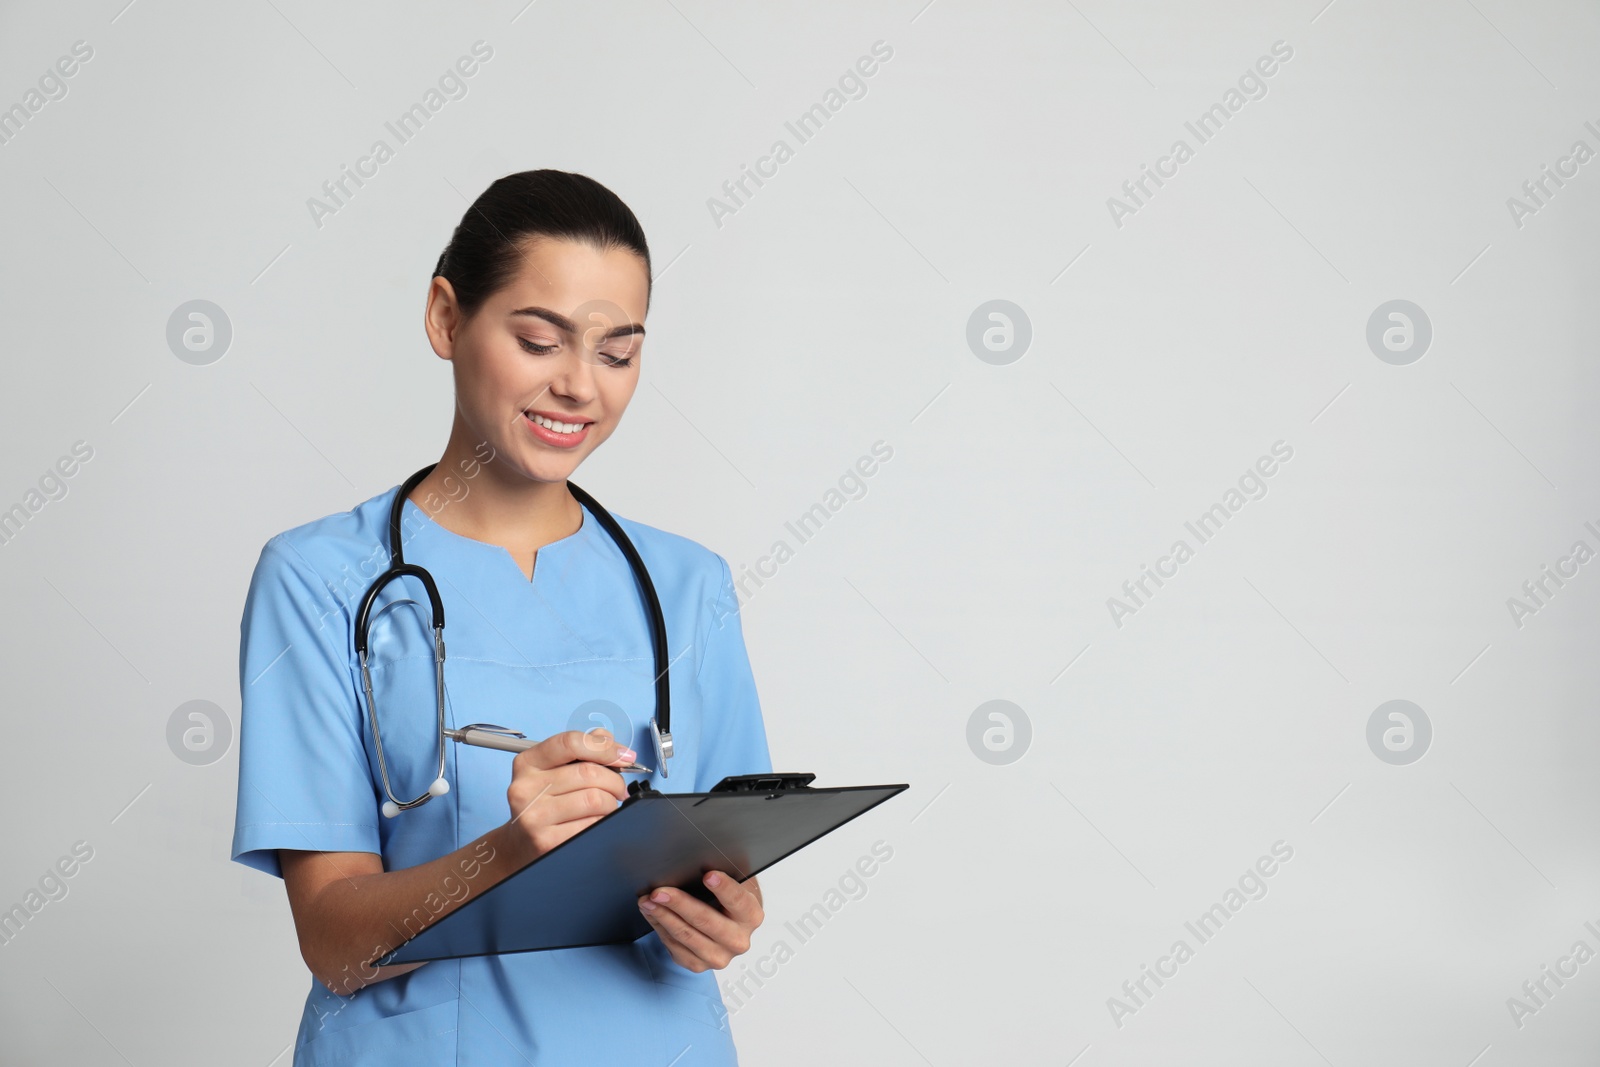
[[663, 746]]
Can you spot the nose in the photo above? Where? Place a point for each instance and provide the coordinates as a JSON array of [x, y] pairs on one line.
[[574, 377]]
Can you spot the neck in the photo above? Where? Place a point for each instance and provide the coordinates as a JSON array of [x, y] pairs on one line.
[[488, 501]]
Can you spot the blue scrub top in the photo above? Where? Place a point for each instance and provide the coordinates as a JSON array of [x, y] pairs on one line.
[[568, 650]]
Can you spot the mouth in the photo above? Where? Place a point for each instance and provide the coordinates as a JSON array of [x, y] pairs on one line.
[[557, 431]]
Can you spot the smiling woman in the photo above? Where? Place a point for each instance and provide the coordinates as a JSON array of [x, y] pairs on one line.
[[544, 335], [538, 305]]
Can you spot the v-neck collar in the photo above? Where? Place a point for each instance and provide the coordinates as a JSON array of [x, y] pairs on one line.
[[550, 552]]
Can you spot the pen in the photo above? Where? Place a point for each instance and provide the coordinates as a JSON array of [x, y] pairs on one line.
[[498, 737]]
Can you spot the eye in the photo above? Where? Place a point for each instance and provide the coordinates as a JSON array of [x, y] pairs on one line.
[[620, 362], [625, 350]]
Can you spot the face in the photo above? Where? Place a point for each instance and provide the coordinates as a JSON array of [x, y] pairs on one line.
[[546, 366]]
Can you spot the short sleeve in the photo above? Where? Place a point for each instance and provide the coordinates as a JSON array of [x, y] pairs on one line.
[[733, 736], [303, 776]]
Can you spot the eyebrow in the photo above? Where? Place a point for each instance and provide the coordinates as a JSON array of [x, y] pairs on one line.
[[559, 320]]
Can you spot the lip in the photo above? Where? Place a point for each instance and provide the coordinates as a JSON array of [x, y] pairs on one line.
[[550, 437], [556, 416]]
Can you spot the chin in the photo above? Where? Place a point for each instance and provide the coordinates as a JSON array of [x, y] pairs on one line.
[[552, 469]]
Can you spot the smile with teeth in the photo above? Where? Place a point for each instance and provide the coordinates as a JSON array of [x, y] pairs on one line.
[[553, 425]]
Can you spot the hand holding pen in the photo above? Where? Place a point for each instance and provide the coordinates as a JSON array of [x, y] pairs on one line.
[[484, 735], [564, 784]]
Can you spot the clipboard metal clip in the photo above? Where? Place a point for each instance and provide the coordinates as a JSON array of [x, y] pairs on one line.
[[763, 783], [741, 783]]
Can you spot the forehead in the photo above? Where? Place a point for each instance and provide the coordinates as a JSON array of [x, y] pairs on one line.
[[563, 274]]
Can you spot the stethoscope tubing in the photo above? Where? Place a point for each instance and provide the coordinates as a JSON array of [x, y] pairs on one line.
[[481, 734]]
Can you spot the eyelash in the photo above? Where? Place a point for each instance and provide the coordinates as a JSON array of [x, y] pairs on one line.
[[545, 350]]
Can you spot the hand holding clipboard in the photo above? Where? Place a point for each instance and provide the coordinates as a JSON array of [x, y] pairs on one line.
[[569, 781]]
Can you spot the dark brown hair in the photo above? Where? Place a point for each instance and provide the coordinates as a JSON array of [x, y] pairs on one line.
[[484, 251]]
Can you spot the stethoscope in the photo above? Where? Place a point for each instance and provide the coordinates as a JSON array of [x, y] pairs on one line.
[[482, 733]]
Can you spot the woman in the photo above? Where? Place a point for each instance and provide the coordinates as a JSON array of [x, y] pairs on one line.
[[538, 304]]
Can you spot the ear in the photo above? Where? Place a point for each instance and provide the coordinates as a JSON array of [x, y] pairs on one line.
[[442, 317]]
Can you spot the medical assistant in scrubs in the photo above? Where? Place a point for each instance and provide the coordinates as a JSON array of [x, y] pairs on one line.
[[568, 650]]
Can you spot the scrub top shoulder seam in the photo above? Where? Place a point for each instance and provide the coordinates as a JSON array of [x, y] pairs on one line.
[[724, 582]]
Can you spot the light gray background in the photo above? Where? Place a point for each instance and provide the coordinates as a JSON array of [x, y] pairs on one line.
[[831, 311]]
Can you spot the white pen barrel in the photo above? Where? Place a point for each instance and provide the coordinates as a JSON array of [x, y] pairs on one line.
[[490, 739]]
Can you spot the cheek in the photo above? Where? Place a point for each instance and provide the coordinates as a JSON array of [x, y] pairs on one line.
[[499, 383], [491, 398], [619, 393], [615, 397]]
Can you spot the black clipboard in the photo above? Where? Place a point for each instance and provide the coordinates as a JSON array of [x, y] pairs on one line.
[[585, 891]]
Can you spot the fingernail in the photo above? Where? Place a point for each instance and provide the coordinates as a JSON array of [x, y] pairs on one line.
[[647, 906], [627, 755], [661, 896], [713, 880]]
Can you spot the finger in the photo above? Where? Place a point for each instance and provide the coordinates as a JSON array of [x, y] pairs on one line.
[[709, 919], [553, 809], [603, 748], [599, 746], [528, 783], [548, 837], [570, 746], [737, 898], [697, 924], [676, 949], [704, 950], [576, 777]]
